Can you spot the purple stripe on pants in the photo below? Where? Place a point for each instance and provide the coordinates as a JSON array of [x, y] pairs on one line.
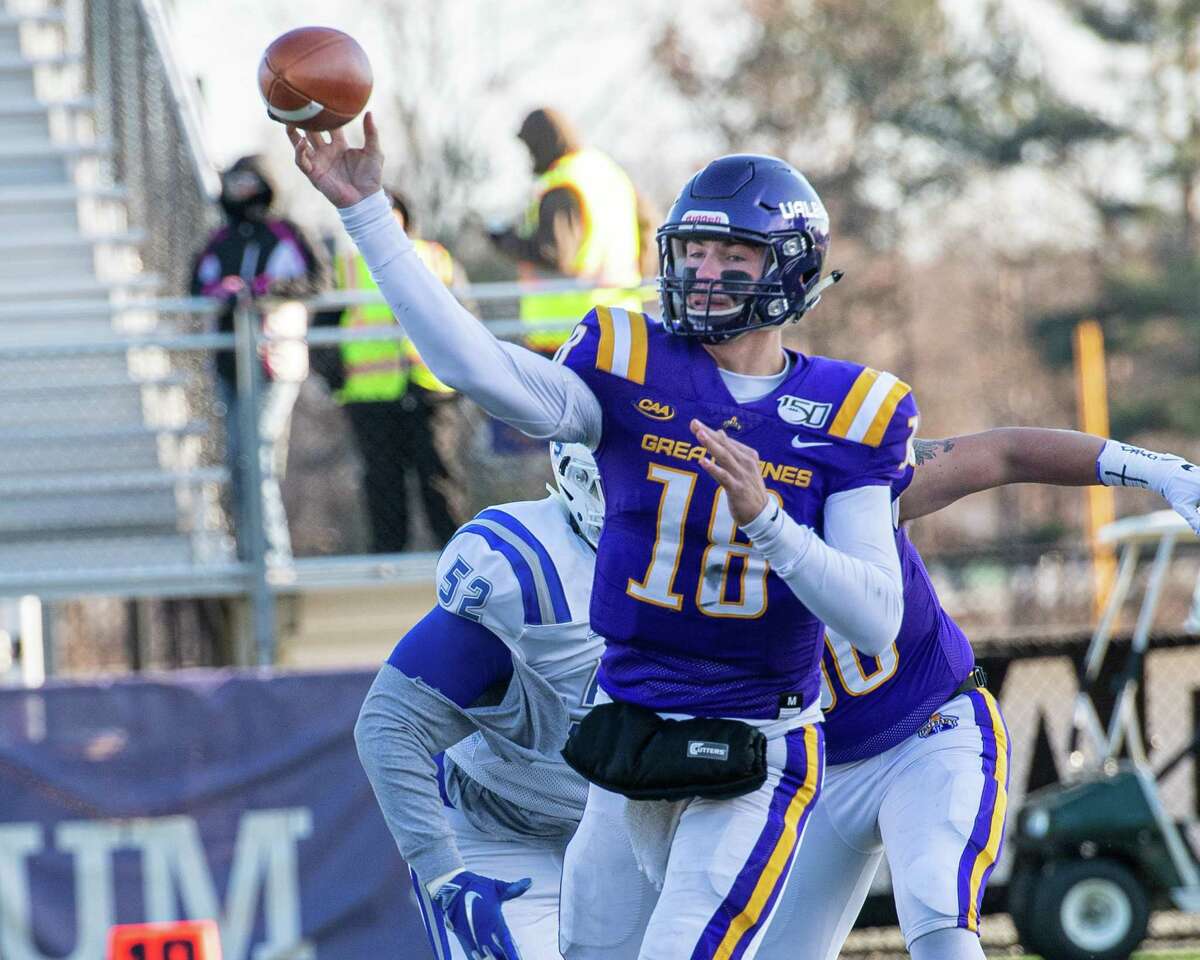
[[983, 820], [791, 782]]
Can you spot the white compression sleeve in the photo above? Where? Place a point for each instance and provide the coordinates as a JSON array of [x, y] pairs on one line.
[[851, 579], [540, 398]]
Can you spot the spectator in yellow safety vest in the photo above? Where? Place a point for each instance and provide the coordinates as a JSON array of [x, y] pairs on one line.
[[407, 423], [581, 223]]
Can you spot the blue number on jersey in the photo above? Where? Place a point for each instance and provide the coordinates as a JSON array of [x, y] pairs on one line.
[[474, 593]]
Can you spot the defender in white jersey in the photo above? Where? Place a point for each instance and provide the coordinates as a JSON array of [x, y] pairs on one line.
[[501, 803]]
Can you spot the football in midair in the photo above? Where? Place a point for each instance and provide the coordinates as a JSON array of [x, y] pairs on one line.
[[315, 78]]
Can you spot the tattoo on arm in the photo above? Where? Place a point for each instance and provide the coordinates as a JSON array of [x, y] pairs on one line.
[[928, 449]]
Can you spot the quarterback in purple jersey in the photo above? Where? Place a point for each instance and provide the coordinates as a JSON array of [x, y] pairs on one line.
[[713, 588]]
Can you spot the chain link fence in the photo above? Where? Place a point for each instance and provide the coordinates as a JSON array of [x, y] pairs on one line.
[[146, 114]]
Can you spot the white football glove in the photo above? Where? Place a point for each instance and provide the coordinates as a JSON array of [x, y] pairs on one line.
[[1174, 479]]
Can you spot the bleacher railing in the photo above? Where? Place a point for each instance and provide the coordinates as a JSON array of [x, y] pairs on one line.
[[177, 353]]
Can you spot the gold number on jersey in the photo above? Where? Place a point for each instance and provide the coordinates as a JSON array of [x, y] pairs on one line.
[[725, 543], [852, 678], [657, 585], [724, 546]]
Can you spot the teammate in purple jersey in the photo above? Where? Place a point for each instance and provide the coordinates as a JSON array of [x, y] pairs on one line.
[[918, 751], [699, 626]]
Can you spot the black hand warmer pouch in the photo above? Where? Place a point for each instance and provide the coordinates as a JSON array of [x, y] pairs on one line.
[[633, 751]]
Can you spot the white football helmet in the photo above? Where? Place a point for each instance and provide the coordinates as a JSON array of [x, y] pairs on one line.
[[578, 481]]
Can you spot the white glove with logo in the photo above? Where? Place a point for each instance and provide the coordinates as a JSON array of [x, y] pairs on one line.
[[1174, 479]]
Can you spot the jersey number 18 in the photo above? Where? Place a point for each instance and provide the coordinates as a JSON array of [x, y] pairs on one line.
[[725, 548]]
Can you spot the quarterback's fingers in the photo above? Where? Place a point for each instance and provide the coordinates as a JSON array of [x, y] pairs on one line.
[[743, 468], [370, 133], [730, 450], [717, 472], [744, 450], [715, 441], [337, 139], [303, 153], [316, 143]]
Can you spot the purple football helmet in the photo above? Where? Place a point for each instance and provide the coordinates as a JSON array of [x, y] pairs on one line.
[[745, 198]]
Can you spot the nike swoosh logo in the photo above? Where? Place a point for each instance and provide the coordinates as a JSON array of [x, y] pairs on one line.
[[467, 901], [801, 444]]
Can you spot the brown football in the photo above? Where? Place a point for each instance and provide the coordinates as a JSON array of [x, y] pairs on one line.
[[315, 78]]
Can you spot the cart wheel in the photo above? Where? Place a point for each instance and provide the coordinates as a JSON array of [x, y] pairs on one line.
[[1087, 910]]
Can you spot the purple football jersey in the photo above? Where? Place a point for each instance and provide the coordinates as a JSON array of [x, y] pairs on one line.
[[693, 620], [871, 704]]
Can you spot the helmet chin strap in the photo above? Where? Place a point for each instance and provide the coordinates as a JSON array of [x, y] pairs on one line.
[[814, 295]]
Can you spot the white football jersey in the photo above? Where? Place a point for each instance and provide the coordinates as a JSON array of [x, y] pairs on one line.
[[522, 571]]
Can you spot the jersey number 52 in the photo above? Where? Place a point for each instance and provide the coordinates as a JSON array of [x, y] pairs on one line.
[[471, 592]]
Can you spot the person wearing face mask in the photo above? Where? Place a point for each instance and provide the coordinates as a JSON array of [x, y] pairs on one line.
[[256, 254]]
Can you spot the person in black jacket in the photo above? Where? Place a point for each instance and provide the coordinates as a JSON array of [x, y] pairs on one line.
[[256, 254]]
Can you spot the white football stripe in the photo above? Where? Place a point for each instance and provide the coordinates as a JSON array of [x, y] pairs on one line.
[[295, 116]]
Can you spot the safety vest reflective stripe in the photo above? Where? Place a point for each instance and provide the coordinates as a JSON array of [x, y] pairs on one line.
[[608, 250], [379, 366]]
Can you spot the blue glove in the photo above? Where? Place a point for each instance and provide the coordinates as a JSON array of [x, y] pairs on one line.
[[471, 905]]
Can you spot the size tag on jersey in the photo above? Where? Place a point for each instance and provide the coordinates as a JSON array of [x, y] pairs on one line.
[[791, 704]]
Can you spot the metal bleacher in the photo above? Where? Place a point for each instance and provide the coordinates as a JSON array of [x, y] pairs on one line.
[[103, 473]]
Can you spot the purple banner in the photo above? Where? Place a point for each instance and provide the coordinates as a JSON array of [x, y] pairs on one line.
[[232, 795]]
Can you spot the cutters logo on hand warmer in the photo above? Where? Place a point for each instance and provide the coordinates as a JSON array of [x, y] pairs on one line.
[[707, 750]]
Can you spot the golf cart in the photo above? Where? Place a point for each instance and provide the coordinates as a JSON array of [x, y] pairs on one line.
[[1097, 852]]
